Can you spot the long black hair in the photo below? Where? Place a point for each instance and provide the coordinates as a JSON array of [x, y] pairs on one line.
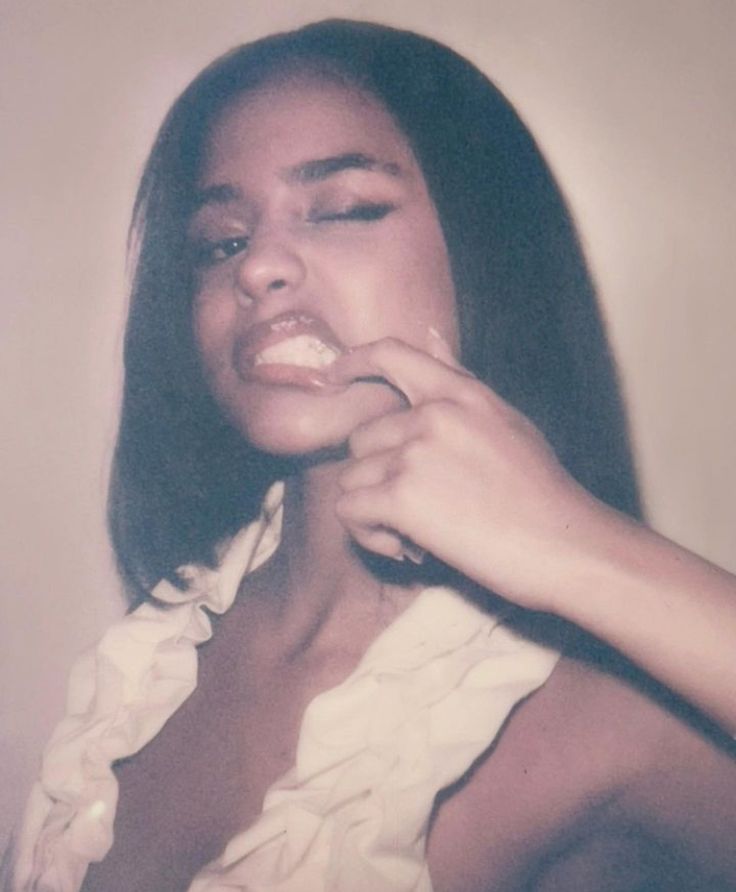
[[183, 478]]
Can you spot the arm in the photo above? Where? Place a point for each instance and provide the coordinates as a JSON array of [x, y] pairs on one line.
[[519, 525], [662, 606]]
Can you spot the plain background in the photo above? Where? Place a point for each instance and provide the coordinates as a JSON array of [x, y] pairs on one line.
[[633, 101]]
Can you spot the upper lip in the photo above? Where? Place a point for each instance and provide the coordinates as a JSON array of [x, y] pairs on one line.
[[265, 334]]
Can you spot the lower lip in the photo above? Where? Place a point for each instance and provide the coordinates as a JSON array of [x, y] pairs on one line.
[[284, 375]]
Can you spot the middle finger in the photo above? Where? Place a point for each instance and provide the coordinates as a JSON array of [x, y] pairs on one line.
[[386, 432]]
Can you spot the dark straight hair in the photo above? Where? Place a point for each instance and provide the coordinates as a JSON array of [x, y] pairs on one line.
[[183, 478]]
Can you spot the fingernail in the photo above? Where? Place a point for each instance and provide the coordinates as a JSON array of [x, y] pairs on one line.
[[413, 553], [438, 347]]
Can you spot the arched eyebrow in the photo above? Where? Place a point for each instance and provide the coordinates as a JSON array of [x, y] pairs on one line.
[[321, 168], [220, 193], [312, 171]]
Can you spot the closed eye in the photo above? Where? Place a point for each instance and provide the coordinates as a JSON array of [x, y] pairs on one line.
[[207, 252], [365, 212]]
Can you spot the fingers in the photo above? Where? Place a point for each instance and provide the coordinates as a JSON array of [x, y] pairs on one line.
[[417, 374], [373, 470], [382, 434], [379, 541], [406, 461], [390, 545], [366, 486], [440, 349], [363, 512]]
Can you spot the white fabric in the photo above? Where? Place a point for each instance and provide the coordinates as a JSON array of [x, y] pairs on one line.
[[429, 695]]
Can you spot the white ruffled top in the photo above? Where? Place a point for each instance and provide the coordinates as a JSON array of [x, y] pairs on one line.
[[429, 695]]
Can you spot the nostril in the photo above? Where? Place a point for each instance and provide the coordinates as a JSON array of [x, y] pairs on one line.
[[277, 285]]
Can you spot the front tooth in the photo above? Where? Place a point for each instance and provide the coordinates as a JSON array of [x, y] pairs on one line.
[[302, 350]]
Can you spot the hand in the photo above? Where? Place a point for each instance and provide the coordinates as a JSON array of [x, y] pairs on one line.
[[465, 476], [460, 473]]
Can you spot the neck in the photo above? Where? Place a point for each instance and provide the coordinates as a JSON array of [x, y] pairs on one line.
[[321, 558], [318, 580]]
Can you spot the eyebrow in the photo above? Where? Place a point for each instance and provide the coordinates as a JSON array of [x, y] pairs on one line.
[[220, 193], [322, 168], [312, 171]]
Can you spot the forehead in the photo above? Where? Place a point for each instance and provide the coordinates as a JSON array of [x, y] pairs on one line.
[[300, 118]]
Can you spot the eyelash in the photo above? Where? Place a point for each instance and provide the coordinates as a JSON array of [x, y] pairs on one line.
[[364, 212], [208, 252]]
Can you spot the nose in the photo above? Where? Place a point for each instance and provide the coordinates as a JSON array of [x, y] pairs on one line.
[[270, 264]]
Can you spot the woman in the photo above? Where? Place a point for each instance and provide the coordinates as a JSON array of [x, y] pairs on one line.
[[356, 275]]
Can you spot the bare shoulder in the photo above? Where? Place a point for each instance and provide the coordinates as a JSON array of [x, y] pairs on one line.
[[687, 794], [595, 762]]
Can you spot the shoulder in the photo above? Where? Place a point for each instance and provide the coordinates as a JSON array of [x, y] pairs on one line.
[[597, 751], [673, 772], [686, 797]]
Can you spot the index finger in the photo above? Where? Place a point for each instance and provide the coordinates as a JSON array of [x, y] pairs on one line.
[[415, 373]]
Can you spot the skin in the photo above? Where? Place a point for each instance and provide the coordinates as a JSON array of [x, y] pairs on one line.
[[366, 280], [594, 784]]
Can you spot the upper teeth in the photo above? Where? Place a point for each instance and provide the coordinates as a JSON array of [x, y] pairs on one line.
[[303, 350]]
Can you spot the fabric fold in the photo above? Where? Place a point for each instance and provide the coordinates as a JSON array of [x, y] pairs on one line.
[[428, 697], [120, 695]]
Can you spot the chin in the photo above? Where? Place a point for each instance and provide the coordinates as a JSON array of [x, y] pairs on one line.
[[291, 423], [293, 440]]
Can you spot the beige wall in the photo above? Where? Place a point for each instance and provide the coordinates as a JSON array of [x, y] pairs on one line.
[[633, 100]]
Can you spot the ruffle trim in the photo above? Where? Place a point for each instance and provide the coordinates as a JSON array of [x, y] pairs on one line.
[[427, 698], [119, 697]]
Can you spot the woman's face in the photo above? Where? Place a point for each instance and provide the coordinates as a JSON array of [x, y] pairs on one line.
[[314, 232]]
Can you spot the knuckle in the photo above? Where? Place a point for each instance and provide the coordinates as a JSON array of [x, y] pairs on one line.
[[384, 349], [433, 415], [400, 493], [523, 426], [473, 393], [413, 454], [355, 443]]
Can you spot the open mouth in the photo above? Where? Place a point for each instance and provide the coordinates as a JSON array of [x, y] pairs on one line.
[[291, 349], [302, 350]]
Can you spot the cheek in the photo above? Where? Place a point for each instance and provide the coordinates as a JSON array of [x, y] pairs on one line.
[[434, 289], [212, 325], [419, 295]]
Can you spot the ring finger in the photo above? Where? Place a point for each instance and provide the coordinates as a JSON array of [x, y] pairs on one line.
[[372, 470]]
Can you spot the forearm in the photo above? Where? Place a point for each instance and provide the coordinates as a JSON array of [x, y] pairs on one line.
[[666, 609], [463, 475]]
